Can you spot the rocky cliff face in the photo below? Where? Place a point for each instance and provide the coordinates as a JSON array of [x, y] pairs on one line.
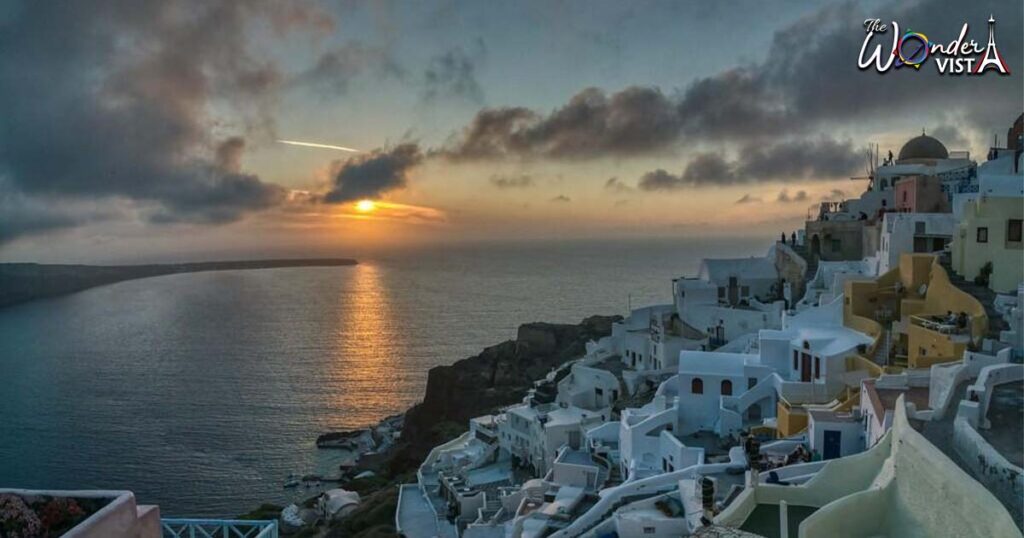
[[498, 376]]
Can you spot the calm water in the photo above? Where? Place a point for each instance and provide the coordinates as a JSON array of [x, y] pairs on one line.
[[202, 392]]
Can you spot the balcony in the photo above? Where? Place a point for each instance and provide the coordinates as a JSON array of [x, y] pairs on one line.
[[217, 528], [110, 514], [942, 326]]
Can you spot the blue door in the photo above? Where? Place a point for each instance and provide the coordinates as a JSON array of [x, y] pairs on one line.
[[832, 444]]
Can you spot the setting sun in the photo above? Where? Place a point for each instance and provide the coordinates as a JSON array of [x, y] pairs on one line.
[[365, 206]]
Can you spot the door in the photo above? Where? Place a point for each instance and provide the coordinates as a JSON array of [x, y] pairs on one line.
[[832, 444], [734, 291], [805, 368]]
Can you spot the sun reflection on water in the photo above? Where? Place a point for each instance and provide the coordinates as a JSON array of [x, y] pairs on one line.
[[368, 344]]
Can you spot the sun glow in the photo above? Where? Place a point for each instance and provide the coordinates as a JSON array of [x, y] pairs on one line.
[[365, 206]]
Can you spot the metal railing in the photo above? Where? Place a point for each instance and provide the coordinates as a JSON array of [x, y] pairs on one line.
[[218, 528]]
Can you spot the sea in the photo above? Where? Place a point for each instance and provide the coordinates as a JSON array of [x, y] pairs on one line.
[[204, 392]]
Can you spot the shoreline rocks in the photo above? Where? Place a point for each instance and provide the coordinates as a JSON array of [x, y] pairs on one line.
[[498, 376]]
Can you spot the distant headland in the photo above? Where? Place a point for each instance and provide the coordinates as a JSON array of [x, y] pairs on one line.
[[23, 282]]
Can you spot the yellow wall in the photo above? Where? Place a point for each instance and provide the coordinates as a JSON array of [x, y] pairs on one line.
[[915, 272], [944, 297], [1007, 258], [790, 421], [937, 347]]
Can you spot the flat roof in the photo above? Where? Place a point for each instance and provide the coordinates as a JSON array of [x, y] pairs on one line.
[[1006, 412], [576, 457]]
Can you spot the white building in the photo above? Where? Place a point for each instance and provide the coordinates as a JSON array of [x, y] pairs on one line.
[[926, 156], [903, 233], [828, 280], [730, 298], [533, 434]]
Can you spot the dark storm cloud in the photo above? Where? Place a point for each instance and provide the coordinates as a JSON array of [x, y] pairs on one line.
[[592, 124], [512, 182], [951, 136], [22, 215], [809, 79], [453, 74], [112, 99], [660, 180], [813, 159], [373, 174], [819, 159], [709, 168], [335, 70]]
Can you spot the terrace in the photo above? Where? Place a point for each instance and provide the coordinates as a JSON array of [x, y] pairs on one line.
[[112, 514]]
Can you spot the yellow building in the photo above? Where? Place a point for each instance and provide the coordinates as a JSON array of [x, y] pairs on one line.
[[912, 304], [990, 232]]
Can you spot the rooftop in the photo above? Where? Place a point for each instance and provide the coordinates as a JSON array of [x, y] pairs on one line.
[[719, 270], [923, 147], [1006, 413]]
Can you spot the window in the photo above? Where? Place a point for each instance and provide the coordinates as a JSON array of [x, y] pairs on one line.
[[697, 386], [598, 392], [721, 292], [836, 245], [919, 228], [817, 367], [1013, 230], [921, 244], [982, 234], [726, 387], [745, 291], [649, 530], [796, 360], [751, 382]]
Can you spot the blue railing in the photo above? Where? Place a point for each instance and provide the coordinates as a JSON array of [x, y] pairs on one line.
[[218, 528]]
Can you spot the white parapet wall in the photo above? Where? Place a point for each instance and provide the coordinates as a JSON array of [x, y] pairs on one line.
[[120, 518]]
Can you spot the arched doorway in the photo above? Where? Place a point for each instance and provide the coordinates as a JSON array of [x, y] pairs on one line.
[[815, 248]]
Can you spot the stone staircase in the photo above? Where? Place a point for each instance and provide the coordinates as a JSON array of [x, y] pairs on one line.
[[812, 265], [985, 296], [881, 357]]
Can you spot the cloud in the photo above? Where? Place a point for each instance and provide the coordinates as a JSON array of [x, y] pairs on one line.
[[615, 184], [512, 182], [785, 198], [23, 215], [820, 158], [785, 95], [815, 159], [335, 70], [129, 102], [453, 74], [951, 136], [634, 121], [374, 174], [660, 180], [749, 199], [561, 198], [834, 194], [709, 168]]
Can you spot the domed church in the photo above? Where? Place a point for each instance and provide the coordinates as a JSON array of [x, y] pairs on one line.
[[922, 149]]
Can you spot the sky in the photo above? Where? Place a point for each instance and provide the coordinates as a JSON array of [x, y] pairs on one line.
[[137, 131]]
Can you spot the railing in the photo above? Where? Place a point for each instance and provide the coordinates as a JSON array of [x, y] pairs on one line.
[[942, 327], [218, 528]]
